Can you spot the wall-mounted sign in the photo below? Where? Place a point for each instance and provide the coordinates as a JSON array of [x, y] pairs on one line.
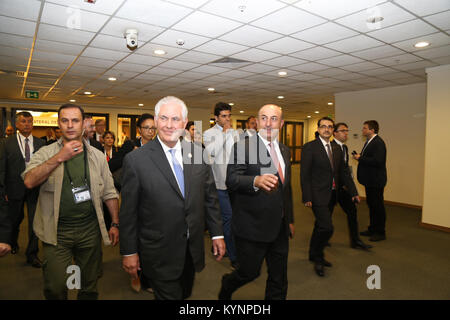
[[29, 94]]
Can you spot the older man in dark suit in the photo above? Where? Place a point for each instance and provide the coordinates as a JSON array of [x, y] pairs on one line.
[[322, 173], [259, 181], [167, 194], [15, 152]]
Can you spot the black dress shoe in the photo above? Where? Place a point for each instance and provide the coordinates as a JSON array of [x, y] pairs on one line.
[[35, 262], [319, 269], [358, 244], [224, 294], [234, 265], [14, 249], [326, 263], [377, 237], [366, 233]]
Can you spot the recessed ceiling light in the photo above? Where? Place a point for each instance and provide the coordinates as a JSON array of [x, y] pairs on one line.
[[282, 73], [316, 111], [308, 116], [280, 97], [87, 92], [422, 44], [231, 104], [112, 79], [330, 103], [211, 89], [159, 52], [72, 100], [242, 111], [140, 104], [374, 19]]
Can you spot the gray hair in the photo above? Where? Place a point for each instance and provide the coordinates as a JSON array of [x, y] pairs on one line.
[[169, 99]]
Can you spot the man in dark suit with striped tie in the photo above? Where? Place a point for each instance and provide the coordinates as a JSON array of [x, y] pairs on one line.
[[15, 152], [345, 199]]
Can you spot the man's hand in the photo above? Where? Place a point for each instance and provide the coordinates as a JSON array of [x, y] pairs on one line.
[[131, 265], [356, 199], [308, 204], [218, 248], [267, 182], [356, 156], [4, 249], [70, 150], [114, 235], [291, 230]]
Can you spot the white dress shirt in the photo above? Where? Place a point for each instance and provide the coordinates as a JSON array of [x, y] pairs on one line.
[[21, 142]]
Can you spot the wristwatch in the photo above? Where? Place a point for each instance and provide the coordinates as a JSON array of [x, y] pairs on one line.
[[115, 225]]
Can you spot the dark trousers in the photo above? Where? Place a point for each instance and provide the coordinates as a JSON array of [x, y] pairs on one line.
[[178, 289], [17, 214], [225, 209], [251, 255], [349, 207], [323, 229], [377, 212]]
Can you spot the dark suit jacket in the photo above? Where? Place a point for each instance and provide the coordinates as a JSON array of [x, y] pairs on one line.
[[12, 164], [96, 144], [257, 215], [316, 174], [154, 216], [372, 164]]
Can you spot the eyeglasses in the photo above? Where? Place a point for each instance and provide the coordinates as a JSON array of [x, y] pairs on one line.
[[148, 128], [326, 127]]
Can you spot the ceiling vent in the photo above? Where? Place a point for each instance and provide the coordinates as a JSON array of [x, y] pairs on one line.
[[227, 62]]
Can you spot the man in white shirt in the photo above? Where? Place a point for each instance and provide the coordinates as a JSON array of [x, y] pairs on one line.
[[218, 142]]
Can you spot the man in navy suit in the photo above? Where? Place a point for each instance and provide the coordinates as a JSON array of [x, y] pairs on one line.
[[15, 152], [372, 175]]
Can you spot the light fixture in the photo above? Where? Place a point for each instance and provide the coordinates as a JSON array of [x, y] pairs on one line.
[[422, 44], [159, 52], [330, 103], [140, 104], [112, 79], [72, 100], [316, 111], [308, 116], [280, 97], [282, 73], [374, 19], [87, 92], [242, 111], [211, 89]]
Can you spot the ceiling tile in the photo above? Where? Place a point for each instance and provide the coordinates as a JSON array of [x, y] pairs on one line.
[[17, 26], [433, 53], [441, 61], [84, 70], [361, 66], [144, 60], [250, 36], [440, 20], [206, 24], [53, 57], [112, 43], [191, 3], [378, 52], [121, 75], [315, 53], [193, 75], [332, 72], [284, 62], [71, 36], [339, 61], [221, 48], [403, 31], [391, 14], [357, 43], [394, 75], [236, 74], [210, 69], [15, 52], [255, 55], [294, 20], [86, 61], [179, 65], [285, 45], [436, 40], [58, 47], [170, 38], [21, 9], [258, 68], [336, 9], [149, 49], [105, 7], [163, 71], [310, 67], [15, 41], [230, 9], [348, 76], [395, 60], [423, 8], [48, 66], [130, 67], [104, 54], [376, 72], [72, 18], [197, 57], [155, 12], [325, 33], [117, 27]]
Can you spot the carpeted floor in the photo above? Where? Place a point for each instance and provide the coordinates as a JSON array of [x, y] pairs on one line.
[[414, 264]]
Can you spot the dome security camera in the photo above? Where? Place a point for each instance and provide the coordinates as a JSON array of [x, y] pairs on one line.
[[132, 38]]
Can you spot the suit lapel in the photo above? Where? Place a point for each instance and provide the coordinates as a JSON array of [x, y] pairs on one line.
[[324, 154], [158, 157]]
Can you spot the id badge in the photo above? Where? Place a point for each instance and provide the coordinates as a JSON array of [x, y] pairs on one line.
[[81, 194]]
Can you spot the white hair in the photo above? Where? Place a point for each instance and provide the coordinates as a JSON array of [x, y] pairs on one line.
[[169, 99]]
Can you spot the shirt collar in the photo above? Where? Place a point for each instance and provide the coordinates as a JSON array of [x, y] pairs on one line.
[[266, 142], [371, 138], [167, 148], [323, 141], [22, 137], [339, 143], [219, 127]]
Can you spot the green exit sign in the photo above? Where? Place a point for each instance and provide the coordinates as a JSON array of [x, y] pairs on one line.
[[29, 94]]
